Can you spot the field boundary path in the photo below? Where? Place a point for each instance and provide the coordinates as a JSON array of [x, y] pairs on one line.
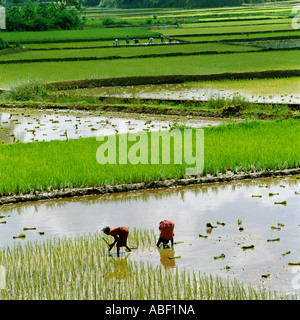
[[75, 192]]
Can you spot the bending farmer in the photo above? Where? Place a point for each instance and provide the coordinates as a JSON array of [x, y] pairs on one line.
[[120, 235], [166, 228]]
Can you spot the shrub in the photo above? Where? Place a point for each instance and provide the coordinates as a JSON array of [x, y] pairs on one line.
[[36, 16]]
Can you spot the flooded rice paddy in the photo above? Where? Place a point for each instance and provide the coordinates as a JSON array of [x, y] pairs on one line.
[[41, 125], [244, 214], [188, 91]]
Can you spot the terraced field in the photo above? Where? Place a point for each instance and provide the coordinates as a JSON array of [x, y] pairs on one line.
[[203, 42], [240, 64]]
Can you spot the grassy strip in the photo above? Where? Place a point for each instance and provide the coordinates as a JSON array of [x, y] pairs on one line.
[[146, 56], [242, 37], [177, 32], [266, 87], [128, 81], [80, 268], [124, 51], [76, 35], [61, 164]]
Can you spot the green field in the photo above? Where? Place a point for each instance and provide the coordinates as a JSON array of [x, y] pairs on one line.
[[79, 268], [223, 29], [206, 42], [12, 74], [125, 51], [47, 165]]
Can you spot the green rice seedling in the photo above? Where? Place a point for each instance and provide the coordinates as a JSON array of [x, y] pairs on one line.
[[294, 263], [248, 247], [255, 145], [20, 236], [275, 228], [11, 74], [209, 225], [221, 256], [281, 202], [272, 240], [78, 268]]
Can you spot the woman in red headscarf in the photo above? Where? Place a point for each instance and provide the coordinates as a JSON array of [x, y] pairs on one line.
[[166, 228]]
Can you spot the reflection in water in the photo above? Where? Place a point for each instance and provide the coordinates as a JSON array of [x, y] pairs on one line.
[[191, 208], [167, 256], [44, 125], [186, 92], [119, 268]]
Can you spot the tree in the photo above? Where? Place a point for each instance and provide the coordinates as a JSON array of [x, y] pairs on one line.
[[37, 16]]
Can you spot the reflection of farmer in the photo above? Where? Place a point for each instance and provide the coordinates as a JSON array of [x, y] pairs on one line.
[[119, 270], [166, 228], [120, 235], [167, 258]]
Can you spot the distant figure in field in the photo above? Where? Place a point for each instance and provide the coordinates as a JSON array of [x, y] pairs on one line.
[[116, 42], [162, 38], [166, 228], [120, 234], [136, 41], [170, 39], [127, 39], [151, 40]]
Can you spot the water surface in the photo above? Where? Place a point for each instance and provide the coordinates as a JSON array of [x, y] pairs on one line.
[[190, 208], [45, 125]]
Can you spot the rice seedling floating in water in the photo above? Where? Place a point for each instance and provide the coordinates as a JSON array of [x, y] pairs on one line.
[[275, 228], [209, 225], [272, 240], [282, 202], [20, 236], [221, 256], [248, 247], [294, 263]]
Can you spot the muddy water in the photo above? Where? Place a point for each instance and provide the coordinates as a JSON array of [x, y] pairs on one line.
[[186, 92], [190, 208], [29, 126]]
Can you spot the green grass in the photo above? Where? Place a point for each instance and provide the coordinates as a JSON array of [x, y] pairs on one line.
[[236, 23], [231, 29], [100, 33], [60, 164], [249, 37], [79, 268], [124, 51], [11, 75], [266, 87]]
